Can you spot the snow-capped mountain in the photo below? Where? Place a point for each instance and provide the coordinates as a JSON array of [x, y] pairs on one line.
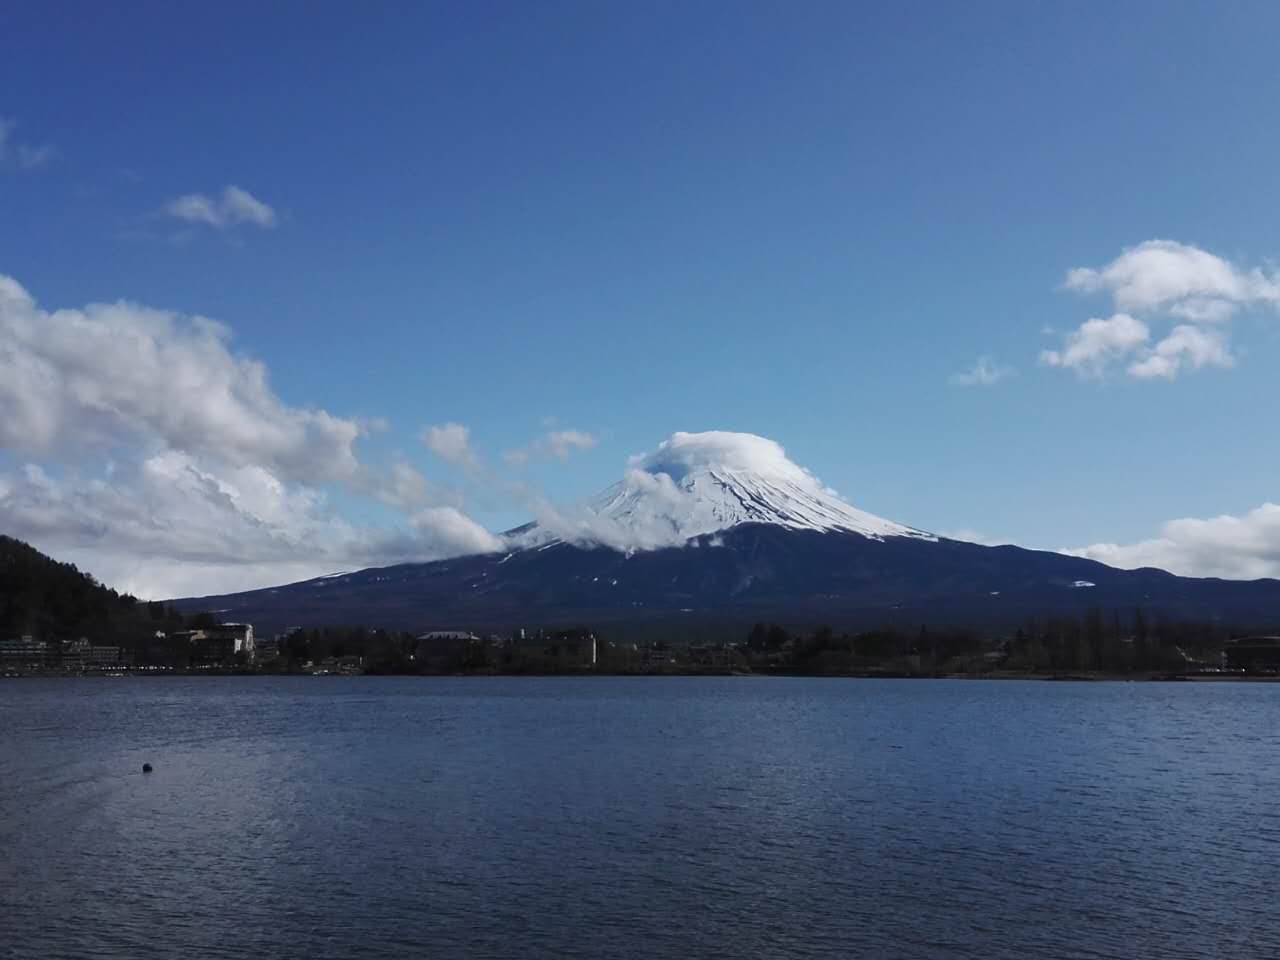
[[697, 484], [713, 530]]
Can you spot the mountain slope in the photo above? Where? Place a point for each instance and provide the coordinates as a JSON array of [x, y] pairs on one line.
[[696, 484], [715, 530], [51, 600], [757, 571]]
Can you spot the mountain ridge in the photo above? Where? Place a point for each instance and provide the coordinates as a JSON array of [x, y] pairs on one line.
[[722, 529], [757, 571]]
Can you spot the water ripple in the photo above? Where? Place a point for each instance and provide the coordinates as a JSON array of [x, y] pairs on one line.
[[636, 818]]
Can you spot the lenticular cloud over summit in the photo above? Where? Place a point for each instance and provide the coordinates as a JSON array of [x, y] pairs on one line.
[[685, 453], [699, 484]]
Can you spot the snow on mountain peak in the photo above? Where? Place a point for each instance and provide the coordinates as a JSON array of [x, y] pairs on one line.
[[696, 484]]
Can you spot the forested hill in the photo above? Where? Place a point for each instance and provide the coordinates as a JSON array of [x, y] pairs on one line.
[[51, 600]]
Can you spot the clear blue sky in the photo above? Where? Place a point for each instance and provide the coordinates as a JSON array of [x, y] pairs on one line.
[[797, 220]]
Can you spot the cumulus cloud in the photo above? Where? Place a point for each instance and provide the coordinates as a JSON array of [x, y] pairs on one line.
[[1169, 281], [1164, 274], [1200, 310], [451, 442], [164, 463], [117, 374], [453, 531], [173, 525], [405, 488], [235, 206], [1245, 547], [15, 155], [560, 444], [564, 442], [1186, 346], [593, 524], [984, 373], [1097, 342]]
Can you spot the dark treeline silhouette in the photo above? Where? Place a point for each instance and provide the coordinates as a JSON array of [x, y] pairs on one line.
[[398, 652], [52, 601], [380, 651], [43, 598], [1096, 642]]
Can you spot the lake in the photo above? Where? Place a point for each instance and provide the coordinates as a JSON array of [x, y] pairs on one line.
[[637, 817]]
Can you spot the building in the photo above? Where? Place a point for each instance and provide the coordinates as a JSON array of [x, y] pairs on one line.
[[24, 653], [210, 648], [266, 649], [83, 654], [241, 635], [103, 657], [163, 650], [1253, 654], [222, 645], [73, 655]]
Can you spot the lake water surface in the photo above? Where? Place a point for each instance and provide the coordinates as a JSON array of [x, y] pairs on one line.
[[638, 817]]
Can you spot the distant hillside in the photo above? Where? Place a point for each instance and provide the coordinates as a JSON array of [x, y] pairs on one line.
[[51, 600], [715, 531], [753, 572]]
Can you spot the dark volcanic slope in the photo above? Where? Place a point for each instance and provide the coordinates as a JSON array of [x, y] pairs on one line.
[[760, 571]]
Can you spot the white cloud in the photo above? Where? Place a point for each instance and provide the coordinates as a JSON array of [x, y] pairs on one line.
[[406, 488], [119, 374], [974, 536], [1166, 275], [174, 526], [228, 491], [560, 444], [236, 206], [1206, 310], [453, 529], [1185, 346], [1092, 349], [240, 206], [984, 373], [564, 442], [1244, 547], [1163, 279], [21, 156], [451, 442], [1089, 349], [196, 208], [746, 452], [1098, 343]]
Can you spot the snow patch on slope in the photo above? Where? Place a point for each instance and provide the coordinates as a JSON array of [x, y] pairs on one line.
[[696, 484]]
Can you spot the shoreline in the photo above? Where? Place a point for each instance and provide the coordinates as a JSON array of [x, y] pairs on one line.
[[996, 676]]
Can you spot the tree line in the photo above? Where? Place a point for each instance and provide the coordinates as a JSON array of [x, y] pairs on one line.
[[49, 600], [1095, 641]]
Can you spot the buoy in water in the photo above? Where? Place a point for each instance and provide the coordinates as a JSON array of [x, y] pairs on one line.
[[146, 768]]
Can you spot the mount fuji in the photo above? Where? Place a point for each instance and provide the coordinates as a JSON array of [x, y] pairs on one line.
[[697, 484], [715, 530]]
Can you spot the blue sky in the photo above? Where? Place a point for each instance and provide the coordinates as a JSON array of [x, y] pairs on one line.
[[801, 221]]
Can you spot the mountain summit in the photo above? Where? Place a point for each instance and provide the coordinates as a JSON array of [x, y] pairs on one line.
[[698, 484]]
